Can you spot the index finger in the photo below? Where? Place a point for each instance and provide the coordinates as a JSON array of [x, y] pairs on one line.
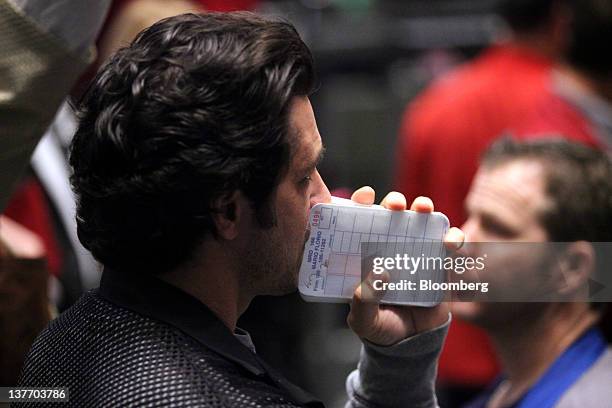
[[364, 195]]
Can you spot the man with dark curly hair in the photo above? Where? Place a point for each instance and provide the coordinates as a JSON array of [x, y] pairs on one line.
[[195, 166]]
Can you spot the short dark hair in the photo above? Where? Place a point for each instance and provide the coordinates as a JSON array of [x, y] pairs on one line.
[[589, 48], [195, 108], [578, 182], [526, 15]]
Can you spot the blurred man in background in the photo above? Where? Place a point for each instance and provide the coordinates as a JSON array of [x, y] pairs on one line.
[[447, 127], [578, 102], [551, 190]]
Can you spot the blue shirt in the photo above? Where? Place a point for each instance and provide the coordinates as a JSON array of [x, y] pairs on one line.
[[559, 377]]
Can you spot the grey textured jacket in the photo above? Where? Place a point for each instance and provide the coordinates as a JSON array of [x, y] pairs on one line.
[[142, 342]]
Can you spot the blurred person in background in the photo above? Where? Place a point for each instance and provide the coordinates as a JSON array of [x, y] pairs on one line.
[[44, 47], [552, 353], [448, 126], [578, 102]]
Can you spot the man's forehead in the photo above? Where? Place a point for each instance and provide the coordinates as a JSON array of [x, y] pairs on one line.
[[305, 139], [518, 185]]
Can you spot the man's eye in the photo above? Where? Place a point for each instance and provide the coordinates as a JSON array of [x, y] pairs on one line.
[[306, 179], [496, 228]]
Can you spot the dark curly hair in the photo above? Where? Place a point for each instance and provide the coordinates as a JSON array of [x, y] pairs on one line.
[[195, 108]]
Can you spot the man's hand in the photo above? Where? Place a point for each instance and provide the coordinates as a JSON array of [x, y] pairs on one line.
[[383, 324]]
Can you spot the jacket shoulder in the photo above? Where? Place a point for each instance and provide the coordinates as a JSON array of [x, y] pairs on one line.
[[110, 356]]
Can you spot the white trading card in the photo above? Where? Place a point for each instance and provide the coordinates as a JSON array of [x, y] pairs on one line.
[[331, 265]]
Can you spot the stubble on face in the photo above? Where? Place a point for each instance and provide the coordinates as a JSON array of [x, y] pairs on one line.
[[275, 254], [266, 265]]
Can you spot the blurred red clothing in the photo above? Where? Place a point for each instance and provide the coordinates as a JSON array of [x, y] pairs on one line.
[[30, 207], [228, 5], [443, 134], [212, 5], [446, 129], [569, 111]]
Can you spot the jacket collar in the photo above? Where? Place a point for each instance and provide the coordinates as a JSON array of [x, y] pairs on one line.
[[164, 302]]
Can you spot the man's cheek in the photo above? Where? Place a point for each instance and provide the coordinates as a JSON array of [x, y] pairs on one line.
[[305, 213]]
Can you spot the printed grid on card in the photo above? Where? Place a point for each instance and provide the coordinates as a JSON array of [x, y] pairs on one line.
[[337, 268]]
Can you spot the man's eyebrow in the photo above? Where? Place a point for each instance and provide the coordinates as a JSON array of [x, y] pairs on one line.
[[311, 165], [320, 156]]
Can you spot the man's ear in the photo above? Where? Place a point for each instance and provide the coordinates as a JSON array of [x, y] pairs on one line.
[[577, 264], [228, 212]]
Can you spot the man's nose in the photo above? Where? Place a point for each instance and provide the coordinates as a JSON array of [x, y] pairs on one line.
[[476, 240], [321, 193]]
